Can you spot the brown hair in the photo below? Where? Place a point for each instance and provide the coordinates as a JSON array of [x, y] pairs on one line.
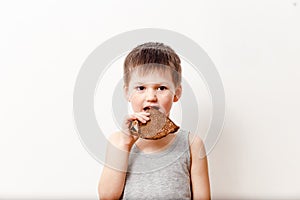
[[151, 55]]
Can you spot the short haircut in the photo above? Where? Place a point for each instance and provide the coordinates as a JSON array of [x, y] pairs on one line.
[[153, 55]]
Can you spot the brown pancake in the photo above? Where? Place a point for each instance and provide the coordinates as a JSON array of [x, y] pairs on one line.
[[157, 127]]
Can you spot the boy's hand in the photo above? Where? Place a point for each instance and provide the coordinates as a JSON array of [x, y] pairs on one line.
[[128, 139]]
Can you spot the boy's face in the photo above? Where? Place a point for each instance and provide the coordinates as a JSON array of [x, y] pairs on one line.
[[155, 89]]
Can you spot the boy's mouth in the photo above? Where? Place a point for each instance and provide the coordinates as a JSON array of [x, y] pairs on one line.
[[148, 107]]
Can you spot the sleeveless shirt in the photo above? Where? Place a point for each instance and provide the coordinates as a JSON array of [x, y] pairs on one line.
[[161, 175]]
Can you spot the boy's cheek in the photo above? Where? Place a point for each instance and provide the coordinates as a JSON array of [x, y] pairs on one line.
[[134, 97]]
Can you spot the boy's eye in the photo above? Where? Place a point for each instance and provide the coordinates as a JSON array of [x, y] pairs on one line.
[[140, 88], [162, 88]]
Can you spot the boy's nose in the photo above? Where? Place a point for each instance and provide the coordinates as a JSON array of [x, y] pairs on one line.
[[151, 95]]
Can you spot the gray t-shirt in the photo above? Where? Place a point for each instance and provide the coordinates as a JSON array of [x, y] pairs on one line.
[[162, 175]]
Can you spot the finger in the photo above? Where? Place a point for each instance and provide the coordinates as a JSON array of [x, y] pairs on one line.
[[145, 115], [142, 118]]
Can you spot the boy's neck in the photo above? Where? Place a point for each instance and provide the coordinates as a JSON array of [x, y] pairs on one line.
[[153, 146]]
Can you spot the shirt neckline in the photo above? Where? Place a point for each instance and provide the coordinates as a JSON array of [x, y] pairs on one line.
[[162, 152]]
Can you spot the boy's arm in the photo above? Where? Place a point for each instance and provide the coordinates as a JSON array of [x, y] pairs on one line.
[[113, 176], [199, 169]]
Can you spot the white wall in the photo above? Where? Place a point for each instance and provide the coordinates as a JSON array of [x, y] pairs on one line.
[[254, 44]]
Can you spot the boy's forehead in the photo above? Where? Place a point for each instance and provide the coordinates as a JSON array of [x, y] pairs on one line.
[[153, 77]]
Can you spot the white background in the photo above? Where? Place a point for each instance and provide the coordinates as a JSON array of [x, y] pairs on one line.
[[254, 44]]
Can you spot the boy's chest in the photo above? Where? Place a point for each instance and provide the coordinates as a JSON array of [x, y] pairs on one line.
[[170, 182]]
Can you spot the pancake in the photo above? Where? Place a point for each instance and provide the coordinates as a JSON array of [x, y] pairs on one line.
[[157, 127]]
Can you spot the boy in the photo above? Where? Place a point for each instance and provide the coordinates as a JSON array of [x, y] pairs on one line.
[[168, 168]]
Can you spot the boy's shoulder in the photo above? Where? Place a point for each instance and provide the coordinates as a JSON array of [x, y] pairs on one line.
[[195, 139], [196, 144], [121, 139], [115, 136]]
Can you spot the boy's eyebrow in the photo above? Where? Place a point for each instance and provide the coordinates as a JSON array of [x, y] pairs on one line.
[[156, 83]]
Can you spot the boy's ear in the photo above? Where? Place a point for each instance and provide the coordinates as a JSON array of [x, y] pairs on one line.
[[126, 93], [177, 95]]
